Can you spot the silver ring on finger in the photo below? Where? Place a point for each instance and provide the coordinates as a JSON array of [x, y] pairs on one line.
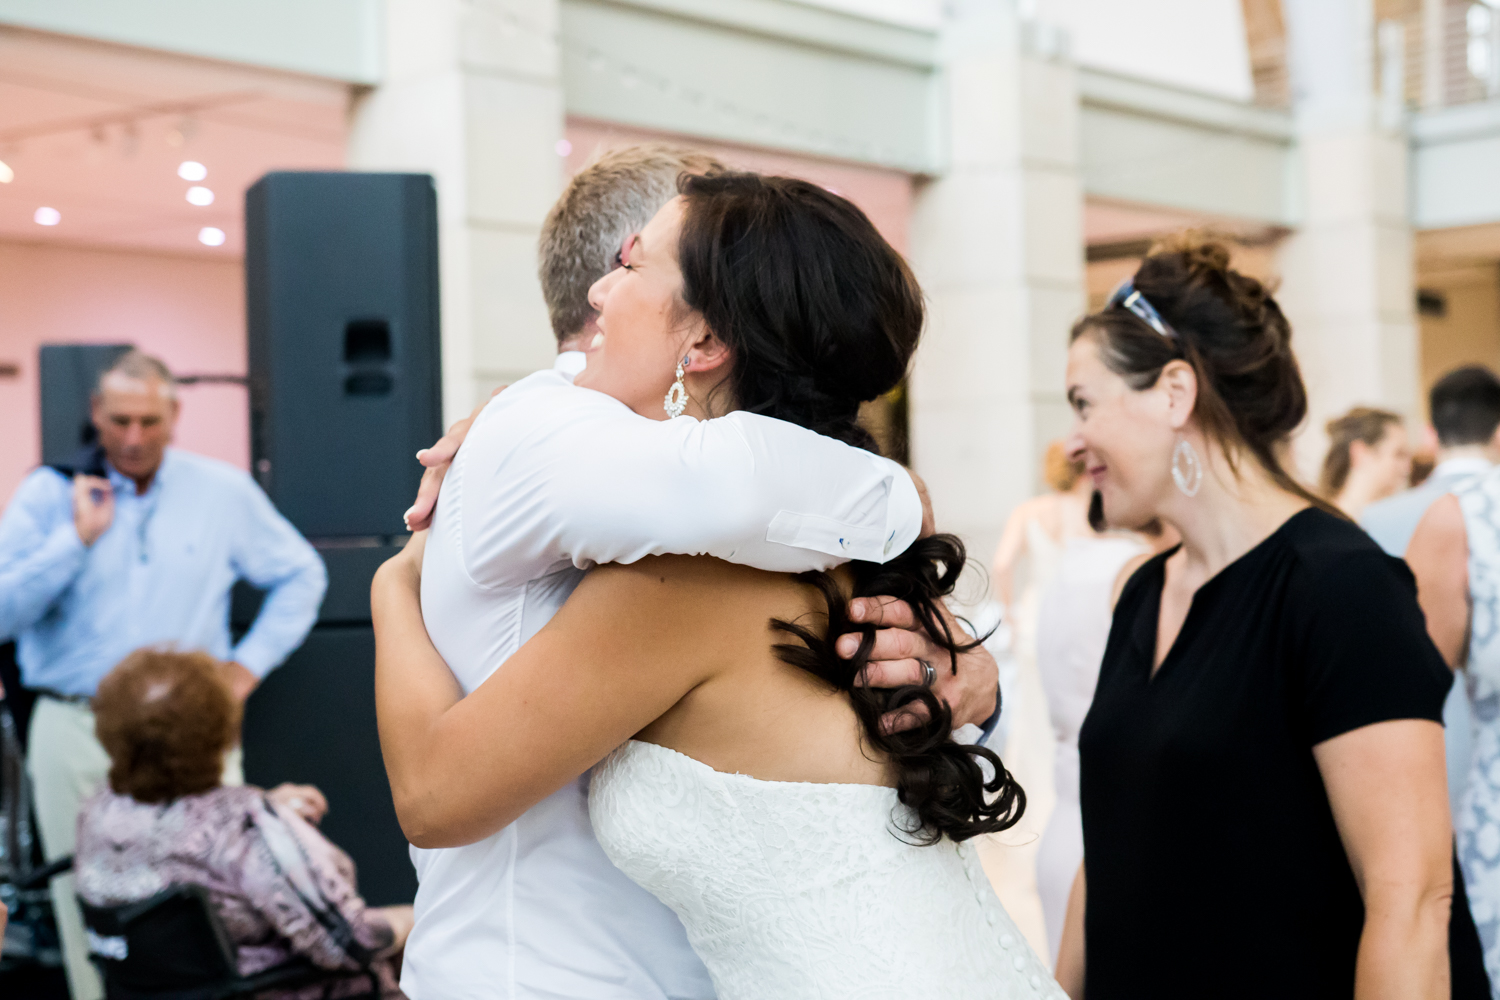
[[929, 675]]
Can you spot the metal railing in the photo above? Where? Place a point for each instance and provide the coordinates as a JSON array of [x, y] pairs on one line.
[[1438, 53], [1428, 53]]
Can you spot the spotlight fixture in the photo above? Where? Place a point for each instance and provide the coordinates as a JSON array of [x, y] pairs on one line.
[[47, 216], [210, 236], [199, 196], [6, 174], [191, 170]]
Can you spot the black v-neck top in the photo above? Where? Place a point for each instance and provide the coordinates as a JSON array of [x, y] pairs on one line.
[[1214, 866]]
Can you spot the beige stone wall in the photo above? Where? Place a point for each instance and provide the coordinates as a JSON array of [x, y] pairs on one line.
[[1469, 331]]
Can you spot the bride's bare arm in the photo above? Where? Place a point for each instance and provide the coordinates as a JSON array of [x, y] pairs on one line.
[[621, 652]]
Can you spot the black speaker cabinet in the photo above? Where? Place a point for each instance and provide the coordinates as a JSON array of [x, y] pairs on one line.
[[341, 273], [313, 722], [68, 373]]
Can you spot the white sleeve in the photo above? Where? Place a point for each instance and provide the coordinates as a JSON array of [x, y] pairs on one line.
[[558, 472]]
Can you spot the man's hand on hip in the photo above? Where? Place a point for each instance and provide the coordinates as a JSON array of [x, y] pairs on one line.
[[93, 507], [240, 680], [901, 647]]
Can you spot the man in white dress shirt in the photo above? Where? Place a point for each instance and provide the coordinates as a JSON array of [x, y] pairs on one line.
[[536, 910], [1464, 406]]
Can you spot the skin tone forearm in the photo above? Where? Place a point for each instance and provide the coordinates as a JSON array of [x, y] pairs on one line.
[[1070, 953], [463, 766], [1003, 566], [1439, 558], [1387, 786]]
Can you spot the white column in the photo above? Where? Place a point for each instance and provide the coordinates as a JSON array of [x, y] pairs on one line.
[[472, 94], [1348, 280], [997, 242]]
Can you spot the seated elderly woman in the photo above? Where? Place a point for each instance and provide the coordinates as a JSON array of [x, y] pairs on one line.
[[283, 891]]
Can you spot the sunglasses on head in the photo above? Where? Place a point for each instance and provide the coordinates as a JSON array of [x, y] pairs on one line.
[[1128, 298]]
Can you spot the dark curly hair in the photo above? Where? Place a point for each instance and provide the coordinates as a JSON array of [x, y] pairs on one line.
[[166, 720], [820, 315]]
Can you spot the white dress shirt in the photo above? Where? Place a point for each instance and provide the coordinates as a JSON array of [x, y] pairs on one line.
[[551, 480]]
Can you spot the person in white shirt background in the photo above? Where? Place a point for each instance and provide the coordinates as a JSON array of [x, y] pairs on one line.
[[535, 908], [1464, 408], [776, 298]]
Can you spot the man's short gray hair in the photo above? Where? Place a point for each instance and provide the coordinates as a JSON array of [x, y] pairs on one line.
[[139, 365], [606, 201]]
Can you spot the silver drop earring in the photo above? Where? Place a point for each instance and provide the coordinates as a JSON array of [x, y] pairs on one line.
[[1187, 469], [677, 397]]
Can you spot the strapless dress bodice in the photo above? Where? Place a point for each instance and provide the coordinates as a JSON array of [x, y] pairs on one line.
[[796, 891]]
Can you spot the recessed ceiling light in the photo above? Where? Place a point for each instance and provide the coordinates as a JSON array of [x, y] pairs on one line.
[[6, 174], [47, 216], [211, 237], [191, 170], [200, 196]]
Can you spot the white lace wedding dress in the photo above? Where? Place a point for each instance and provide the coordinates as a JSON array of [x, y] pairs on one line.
[[797, 891]]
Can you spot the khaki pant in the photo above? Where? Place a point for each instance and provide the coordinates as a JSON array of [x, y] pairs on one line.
[[67, 766]]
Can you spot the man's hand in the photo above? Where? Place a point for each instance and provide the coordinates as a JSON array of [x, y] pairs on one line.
[[304, 800], [896, 660], [93, 507], [436, 460], [240, 680]]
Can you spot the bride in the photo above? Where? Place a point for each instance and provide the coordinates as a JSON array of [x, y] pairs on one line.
[[740, 773]]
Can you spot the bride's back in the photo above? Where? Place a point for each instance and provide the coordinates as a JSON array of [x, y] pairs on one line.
[[756, 810], [755, 714]]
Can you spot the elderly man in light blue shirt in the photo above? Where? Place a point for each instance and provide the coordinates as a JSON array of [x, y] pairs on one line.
[[96, 566]]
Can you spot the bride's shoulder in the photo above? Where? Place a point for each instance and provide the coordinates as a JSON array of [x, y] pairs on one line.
[[696, 590]]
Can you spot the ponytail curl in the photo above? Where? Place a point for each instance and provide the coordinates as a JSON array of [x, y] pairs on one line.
[[943, 782]]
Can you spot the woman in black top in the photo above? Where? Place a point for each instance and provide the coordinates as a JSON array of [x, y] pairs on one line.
[[1264, 803]]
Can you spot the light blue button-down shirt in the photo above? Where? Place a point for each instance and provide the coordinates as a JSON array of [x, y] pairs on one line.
[[159, 576]]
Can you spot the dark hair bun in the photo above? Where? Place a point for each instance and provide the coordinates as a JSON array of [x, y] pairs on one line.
[[1232, 332]]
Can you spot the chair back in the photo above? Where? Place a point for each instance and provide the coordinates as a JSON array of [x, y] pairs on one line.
[[172, 943]]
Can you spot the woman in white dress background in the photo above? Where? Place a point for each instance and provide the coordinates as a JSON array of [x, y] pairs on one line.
[[749, 782], [1036, 535]]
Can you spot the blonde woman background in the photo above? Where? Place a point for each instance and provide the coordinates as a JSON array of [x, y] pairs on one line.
[[1369, 459]]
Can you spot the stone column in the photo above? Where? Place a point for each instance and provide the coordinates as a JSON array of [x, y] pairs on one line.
[[472, 94], [997, 242], [1347, 272]]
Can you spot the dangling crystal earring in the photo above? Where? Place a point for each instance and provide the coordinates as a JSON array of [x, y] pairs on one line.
[[677, 397], [1187, 470]]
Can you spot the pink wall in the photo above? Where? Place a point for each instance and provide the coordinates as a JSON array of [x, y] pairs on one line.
[[188, 310]]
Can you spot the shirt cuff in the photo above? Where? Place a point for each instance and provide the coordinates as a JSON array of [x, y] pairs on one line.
[[903, 517], [258, 661]]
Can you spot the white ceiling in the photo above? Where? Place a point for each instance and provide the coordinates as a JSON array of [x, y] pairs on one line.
[[97, 132]]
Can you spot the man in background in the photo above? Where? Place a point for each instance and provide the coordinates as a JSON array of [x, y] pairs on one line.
[[95, 567], [1465, 409]]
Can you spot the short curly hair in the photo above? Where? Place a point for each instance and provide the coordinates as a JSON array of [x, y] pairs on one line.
[[165, 719]]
